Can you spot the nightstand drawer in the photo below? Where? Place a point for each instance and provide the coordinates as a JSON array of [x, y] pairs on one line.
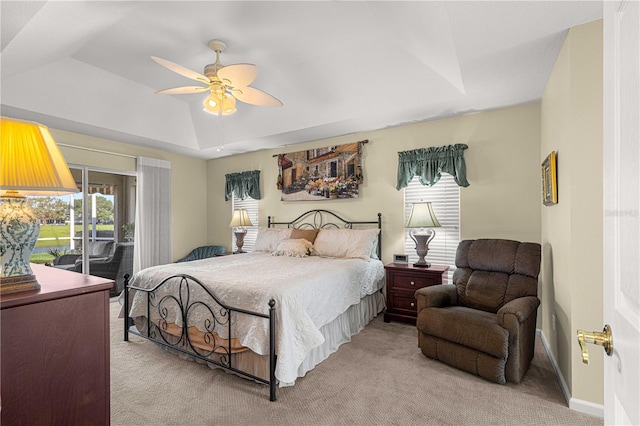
[[413, 282], [402, 282], [403, 302]]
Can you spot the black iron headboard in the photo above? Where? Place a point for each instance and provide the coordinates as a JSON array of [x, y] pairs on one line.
[[319, 219]]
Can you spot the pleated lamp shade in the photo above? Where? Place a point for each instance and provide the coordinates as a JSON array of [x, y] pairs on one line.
[[31, 161]]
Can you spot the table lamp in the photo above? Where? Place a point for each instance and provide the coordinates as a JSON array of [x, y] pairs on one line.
[[31, 164], [421, 217], [239, 220]]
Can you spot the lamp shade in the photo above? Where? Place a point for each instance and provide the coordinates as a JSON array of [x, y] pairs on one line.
[[228, 104], [31, 161], [422, 216], [210, 104], [240, 219]]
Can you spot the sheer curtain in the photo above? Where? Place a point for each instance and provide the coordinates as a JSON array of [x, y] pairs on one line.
[[153, 236]]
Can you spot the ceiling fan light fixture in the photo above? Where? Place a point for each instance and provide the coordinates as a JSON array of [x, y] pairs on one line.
[[219, 104], [210, 104], [211, 101], [228, 104], [226, 83]]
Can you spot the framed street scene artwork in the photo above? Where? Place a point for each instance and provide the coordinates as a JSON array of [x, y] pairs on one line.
[[321, 174]]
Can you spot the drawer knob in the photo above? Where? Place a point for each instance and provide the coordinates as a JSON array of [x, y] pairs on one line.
[[413, 304], [412, 283]]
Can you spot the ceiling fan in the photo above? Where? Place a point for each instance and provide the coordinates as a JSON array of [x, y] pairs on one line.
[[225, 84]]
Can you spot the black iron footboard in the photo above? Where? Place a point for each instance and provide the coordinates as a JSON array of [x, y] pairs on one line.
[[218, 316]]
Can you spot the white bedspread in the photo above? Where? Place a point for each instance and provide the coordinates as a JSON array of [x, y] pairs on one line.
[[309, 293]]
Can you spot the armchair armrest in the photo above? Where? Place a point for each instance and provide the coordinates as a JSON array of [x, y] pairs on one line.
[[92, 258], [436, 296], [66, 259], [102, 266], [522, 308], [203, 253]]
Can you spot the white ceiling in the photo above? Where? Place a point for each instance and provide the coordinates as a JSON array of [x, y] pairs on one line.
[[339, 67]]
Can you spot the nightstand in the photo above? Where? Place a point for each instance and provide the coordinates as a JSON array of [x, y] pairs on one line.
[[402, 282]]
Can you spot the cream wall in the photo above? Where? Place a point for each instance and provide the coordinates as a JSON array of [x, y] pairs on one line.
[[572, 267], [503, 168], [188, 181]]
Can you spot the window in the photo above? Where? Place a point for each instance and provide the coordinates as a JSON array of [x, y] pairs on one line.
[[445, 199], [251, 206]]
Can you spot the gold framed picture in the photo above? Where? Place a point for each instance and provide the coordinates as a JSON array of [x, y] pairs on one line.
[[550, 180]]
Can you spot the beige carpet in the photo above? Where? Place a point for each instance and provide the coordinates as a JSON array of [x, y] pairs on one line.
[[380, 378]]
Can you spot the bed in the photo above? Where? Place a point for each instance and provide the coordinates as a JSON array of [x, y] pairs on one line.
[[270, 315]]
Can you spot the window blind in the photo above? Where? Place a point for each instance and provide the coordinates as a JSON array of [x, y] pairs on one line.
[[445, 199], [251, 206]]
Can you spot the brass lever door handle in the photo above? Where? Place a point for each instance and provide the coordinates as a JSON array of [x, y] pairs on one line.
[[604, 339]]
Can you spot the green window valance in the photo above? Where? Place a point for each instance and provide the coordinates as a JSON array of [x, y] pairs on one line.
[[243, 185], [429, 163]]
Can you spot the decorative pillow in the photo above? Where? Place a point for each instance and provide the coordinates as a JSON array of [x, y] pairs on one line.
[[100, 248], [269, 238], [346, 243], [308, 234], [294, 247], [374, 248]]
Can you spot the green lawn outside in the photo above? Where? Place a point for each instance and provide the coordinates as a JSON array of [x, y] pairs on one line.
[[52, 231], [41, 258], [61, 241]]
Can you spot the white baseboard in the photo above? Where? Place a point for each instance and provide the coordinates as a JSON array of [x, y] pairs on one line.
[[579, 405], [587, 407]]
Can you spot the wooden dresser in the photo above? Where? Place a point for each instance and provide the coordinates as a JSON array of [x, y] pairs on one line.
[[55, 351], [402, 282]]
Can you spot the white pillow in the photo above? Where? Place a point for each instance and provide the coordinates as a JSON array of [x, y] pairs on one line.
[[269, 238], [346, 243], [294, 247], [374, 248]]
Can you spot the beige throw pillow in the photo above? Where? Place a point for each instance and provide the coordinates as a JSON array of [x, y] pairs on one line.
[[308, 234]]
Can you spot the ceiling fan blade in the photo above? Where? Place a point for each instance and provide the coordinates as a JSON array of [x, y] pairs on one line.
[[181, 70], [182, 90], [256, 97], [240, 75]]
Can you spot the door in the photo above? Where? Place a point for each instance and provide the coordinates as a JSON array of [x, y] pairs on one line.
[[104, 210], [621, 210]]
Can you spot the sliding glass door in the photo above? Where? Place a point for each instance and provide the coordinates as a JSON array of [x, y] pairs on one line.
[[100, 215]]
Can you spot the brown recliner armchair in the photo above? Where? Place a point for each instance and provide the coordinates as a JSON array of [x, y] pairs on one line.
[[485, 322]]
